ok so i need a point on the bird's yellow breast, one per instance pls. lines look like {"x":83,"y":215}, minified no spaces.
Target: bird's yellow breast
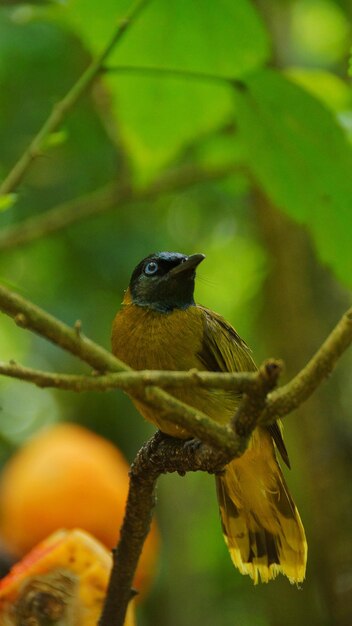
{"x":146,"y":339}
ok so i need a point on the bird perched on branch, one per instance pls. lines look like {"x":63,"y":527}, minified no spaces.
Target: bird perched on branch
{"x":161,"y":327}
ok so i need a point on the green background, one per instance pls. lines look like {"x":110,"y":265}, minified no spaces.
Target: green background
{"x":276,"y":232}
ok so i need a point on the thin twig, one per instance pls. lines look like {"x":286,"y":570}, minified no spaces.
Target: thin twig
{"x":238,"y":382}
{"x":58,"y":218}
{"x":61,"y":108}
{"x":102,"y":200}
{"x":301,"y":387}
{"x":31,"y":317}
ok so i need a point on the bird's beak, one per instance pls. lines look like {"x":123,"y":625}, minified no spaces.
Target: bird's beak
{"x":188,"y":265}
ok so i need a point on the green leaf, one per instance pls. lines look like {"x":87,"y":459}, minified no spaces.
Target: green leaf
{"x":158,"y":117}
{"x":324,"y":85}
{"x":55,"y":139}
{"x":302,"y":159}
{"x":7,"y":201}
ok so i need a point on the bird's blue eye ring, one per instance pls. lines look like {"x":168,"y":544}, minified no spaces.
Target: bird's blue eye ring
{"x":151,"y":268}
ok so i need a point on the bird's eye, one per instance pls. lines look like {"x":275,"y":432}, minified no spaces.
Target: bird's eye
{"x":151,"y":268}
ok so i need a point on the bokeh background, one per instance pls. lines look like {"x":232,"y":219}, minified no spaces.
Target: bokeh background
{"x":258,"y":179}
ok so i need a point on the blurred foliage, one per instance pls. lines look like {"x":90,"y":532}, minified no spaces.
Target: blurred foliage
{"x":284,"y":130}
{"x":287,"y":134}
{"x":226,"y":38}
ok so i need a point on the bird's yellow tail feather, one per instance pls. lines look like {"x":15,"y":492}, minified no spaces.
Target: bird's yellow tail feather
{"x":261,"y":524}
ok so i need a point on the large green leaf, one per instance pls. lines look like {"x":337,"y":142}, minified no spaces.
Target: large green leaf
{"x":159,"y":116}
{"x":302,"y":159}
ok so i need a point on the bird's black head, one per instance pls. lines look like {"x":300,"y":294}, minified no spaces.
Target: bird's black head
{"x":165,"y":281}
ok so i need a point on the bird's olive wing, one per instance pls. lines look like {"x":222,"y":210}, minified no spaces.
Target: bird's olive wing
{"x":223,"y":350}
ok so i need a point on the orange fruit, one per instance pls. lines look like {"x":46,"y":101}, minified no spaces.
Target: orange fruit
{"x":68,"y":477}
{"x":64,"y":578}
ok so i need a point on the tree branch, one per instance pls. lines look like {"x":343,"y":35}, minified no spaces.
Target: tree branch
{"x":138,"y":516}
{"x":102,"y":200}
{"x":259,"y":405}
{"x":238,"y":382}
{"x":161,"y":454}
{"x":31,"y":317}
{"x":301,"y":387}
{"x":141,"y":385}
{"x":164,"y":454}
{"x":61,"y":109}
{"x":255,"y":400}
{"x":281,"y":402}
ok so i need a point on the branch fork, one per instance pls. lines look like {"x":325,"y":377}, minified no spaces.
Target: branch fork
{"x":261,"y":404}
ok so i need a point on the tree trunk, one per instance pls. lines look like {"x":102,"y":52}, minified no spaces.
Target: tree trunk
{"x":302,"y":302}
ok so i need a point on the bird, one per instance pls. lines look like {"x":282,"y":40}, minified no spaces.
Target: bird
{"x":160,"y":327}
